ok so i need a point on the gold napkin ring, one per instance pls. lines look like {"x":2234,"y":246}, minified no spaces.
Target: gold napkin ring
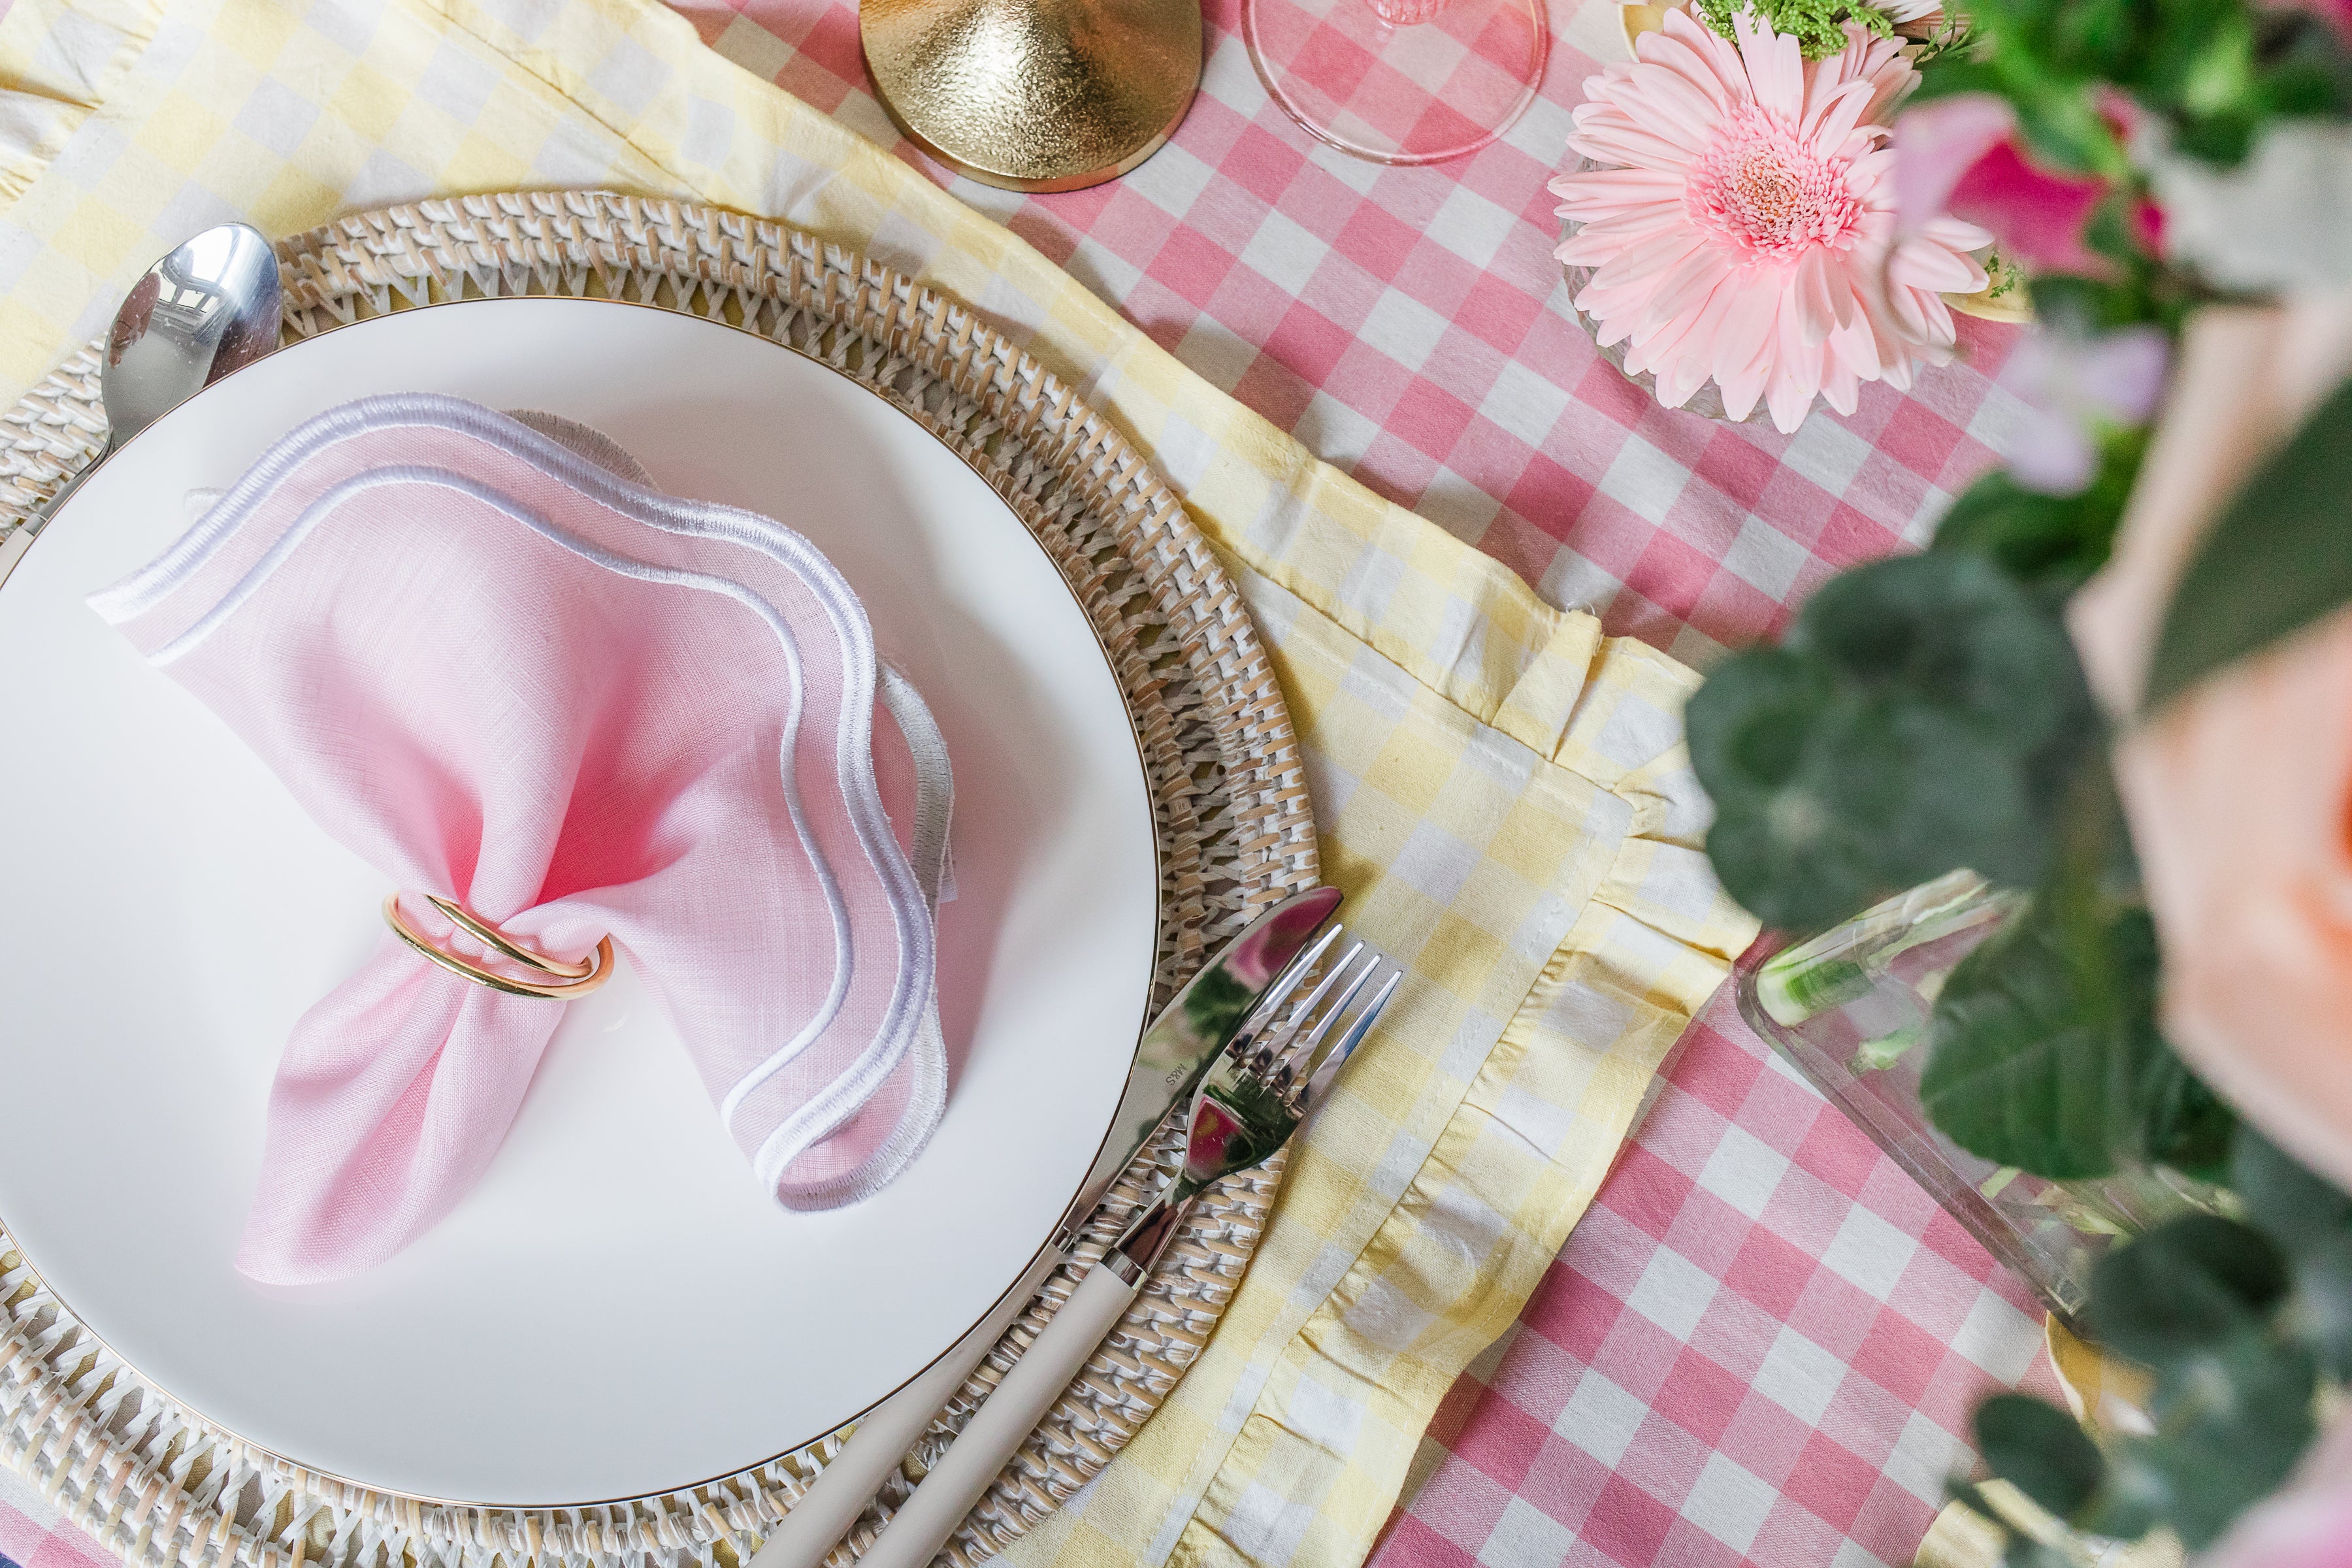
{"x":569,"y":980}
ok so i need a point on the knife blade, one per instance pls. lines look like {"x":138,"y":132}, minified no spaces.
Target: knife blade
{"x":1233,"y":995}
{"x":1238,"y":988}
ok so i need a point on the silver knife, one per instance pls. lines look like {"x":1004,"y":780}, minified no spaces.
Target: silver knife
{"x":1234,"y":996}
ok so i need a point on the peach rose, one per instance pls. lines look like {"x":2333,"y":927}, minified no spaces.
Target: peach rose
{"x":2240,"y":791}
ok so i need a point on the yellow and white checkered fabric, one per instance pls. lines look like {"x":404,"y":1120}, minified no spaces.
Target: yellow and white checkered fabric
{"x":1502,"y":792}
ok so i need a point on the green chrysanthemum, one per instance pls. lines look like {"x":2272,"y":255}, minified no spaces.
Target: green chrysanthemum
{"x":1818,"y":26}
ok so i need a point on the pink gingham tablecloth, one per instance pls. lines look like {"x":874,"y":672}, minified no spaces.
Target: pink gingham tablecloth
{"x":1761,"y":1343}
{"x":31,"y":1535}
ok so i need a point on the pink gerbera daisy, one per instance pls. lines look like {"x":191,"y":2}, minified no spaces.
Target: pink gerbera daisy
{"x":1744,"y":227}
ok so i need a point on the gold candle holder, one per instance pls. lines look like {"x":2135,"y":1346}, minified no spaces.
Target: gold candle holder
{"x":1034,"y":95}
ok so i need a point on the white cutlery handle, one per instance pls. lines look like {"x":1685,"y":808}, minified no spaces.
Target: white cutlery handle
{"x":915,"y":1534}
{"x":823,"y":1514}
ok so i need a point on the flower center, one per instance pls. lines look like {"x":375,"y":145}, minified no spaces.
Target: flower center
{"x":1767,"y":195}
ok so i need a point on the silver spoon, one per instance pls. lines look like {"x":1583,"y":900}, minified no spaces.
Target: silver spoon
{"x":209,"y":307}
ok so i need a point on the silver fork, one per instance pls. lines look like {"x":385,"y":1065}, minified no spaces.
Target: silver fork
{"x":1255,"y":1098}
{"x":1252,"y":1102}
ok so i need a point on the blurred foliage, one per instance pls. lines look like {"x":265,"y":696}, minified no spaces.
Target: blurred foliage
{"x":2080,"y":71}
{"x":2046,"y":1054}
{"x":1922,"y":715}
{"x":2239,"y":1320}
{"x":2050,"y":544}
{"x":1928,"y":713}
{"x":2274,"y":564}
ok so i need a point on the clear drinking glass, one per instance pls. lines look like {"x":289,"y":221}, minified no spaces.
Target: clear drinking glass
{"x":1850,"y":1010}
{"x":1400,"y":81}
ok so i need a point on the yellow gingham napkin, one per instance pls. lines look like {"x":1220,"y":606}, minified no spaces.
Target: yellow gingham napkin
{"x":1502,"y":792}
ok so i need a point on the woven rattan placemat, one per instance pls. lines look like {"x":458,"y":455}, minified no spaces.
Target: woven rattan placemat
{"x":156,"y":1484}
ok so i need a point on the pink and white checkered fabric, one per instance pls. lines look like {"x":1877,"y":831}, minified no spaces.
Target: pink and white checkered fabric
{"x":1761,"y":1343}
{"x":1410,"y":326}
{"x":32,"y":1536}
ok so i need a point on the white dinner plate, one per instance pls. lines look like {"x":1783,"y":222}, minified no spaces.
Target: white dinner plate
{"x":616,"y":1310}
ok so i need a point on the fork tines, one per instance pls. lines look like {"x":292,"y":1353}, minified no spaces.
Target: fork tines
{"x":1300,"y":1056}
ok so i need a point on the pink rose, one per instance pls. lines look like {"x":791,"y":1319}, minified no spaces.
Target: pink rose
{"x":1959,"y":155}
{"x":2240,"y":791}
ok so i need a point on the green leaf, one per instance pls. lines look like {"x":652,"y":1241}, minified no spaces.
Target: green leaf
{"x":2294,"y":1206}
{"x":2062,"y":130}
{"x":1920,"y":719}
{"x":2230,"y":1424}
{"x":2098,"y":304}
{"x":1957,"y":72}
{"x":2184,"y":1124}
{"x":2220,"y":75}
{"x":2039,"y":1449}
{"x":1881,"y":795}
{"x":2051,"y":542}
{"x":2135,"y":1498}
{"x":2280,"y":559}
{"x":1775,"y":841}
{"x":2313,"y":1221}
{"x":2184,"y":1289}
{"x":1215,"y":1005}
{"x":2306,"y":66}
{"x":2046,"y":1050}
{"x":2024,"y":1551}
{"x":2108,"y":232}
{"x":2027,"y":533}
{"x":1954,"y":40}
{"x":2045,"y":1053}
{"x":2318,"y":1314}
{"x":2223,"y":139}
{"x":2095,"y":36}
{"x":1950,"y":631}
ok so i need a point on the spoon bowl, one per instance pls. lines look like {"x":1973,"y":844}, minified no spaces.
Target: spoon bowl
{"x":212,"y":305}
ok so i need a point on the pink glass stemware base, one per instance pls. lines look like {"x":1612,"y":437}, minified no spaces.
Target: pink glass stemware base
{"x":1400,"y":81}
{"x":1407,"y":12}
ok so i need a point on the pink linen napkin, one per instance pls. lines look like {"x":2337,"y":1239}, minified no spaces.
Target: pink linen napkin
{"x":578,"y":707}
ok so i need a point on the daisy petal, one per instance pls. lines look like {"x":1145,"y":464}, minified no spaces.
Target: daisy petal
{"x":1742,"y":226}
